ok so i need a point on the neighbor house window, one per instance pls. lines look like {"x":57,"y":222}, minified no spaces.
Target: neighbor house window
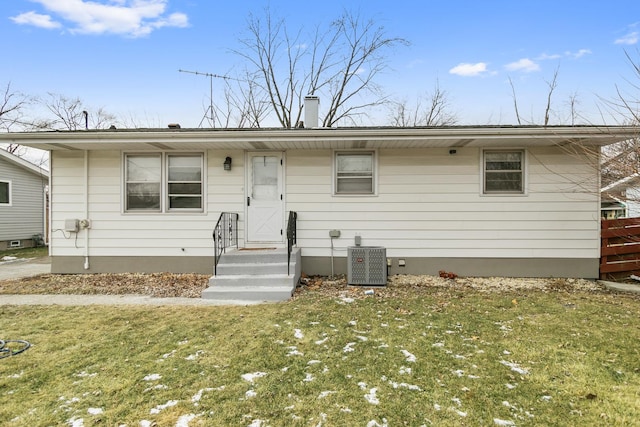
{"x":5,"y":192}
{"x":503,"y":172}
{"x":354,"y":172}
{"x":162,"y":182}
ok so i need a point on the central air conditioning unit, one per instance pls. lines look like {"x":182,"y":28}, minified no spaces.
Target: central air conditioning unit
{"x":367,"y":265}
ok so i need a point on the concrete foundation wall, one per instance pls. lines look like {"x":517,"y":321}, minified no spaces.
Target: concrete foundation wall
{"x":478,"y":267}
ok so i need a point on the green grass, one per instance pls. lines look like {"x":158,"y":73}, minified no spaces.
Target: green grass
{"x":577,"y":355}
{"x":40,"y":252}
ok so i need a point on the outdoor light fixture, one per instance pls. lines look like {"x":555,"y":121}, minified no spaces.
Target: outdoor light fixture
{"x":227,"y":164}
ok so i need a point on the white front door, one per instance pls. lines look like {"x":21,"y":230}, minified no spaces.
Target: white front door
{"x":265,"y":199}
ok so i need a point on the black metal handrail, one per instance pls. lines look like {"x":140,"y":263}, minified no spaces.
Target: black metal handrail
{"x":291,"y":236}
{"x":225,"y":235}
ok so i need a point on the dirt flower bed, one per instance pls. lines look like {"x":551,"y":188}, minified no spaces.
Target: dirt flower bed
{"x":407,"y":285}
{"x":192,"y":285}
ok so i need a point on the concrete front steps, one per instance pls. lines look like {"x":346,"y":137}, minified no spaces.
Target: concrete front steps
{"x":255,"y":275}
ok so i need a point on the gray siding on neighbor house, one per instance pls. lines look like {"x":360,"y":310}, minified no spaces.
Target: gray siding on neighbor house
{"x":24,"y":217}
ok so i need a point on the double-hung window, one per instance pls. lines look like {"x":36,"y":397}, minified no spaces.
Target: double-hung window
{"x":355,"y":172}
{"x":164,"y":182}
{"x":5,"y":192}
{"x":503,"y":172}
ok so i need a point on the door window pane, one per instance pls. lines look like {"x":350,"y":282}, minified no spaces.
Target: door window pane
{"x":265,"y":177}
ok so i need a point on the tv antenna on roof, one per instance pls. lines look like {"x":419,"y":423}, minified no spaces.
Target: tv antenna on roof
{"x":209,"y":114}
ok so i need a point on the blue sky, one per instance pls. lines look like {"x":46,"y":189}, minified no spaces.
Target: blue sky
{"x":124,"y":55}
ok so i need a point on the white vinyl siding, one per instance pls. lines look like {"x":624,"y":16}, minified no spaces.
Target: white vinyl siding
{"x":430,"y":204}
{"x":116,"y":233}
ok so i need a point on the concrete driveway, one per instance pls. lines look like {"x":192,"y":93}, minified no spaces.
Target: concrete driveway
{"x":19,"y":268}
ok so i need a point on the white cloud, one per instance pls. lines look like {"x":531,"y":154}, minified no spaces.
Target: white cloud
{"x":525,"y":64}
{"x":35,"y":19}
{"x":469,"y":70}
{"x":630,"y":38}
{"x":546,"y":57}
{"x":134,"y":18}
{"x":579,"y":54}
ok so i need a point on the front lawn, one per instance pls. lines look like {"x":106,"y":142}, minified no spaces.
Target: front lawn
{"x":445,"y":357}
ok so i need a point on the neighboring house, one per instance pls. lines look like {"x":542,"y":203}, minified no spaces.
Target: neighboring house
{"x":480,"y":201}
{"x":23,"y":188}
{"x":621,"y":199}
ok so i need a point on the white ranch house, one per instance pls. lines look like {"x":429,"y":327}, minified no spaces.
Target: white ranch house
{"x":477,"y":201}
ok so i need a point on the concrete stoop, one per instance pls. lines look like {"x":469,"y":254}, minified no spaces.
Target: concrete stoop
{"x":255,"y":275}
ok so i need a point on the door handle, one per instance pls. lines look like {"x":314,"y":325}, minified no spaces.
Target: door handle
{"x":248,"y":201}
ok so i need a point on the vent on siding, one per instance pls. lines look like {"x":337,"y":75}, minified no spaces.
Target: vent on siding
{"x":367,"y":265}
{"x":15,"y":244}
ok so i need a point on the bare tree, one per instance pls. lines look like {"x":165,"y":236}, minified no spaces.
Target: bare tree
{"x":339,"y":64}
{"x":552,"y":85}
{"x":515,"y":101}
{"x":430,"y":109}
{"x":12,"y":108}
{"x":72,"y":114}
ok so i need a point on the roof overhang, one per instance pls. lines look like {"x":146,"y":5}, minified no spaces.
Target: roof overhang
{"x":34,"y":169}
{"x":323,"y":138}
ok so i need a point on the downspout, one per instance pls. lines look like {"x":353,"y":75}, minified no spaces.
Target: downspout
{"x":86,"y":209}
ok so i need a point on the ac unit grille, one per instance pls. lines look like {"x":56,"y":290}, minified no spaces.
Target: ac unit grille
{"x":367,"y":265}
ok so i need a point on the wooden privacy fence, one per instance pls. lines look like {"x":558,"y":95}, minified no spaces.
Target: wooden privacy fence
{"x":620,"y":248}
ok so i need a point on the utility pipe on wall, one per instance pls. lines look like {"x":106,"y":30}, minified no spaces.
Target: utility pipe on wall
{"x":86,"y":209}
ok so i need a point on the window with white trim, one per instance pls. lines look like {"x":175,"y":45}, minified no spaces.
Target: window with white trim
{"x":355,"y":172}
{"x":164,"y":182}
{"x":503,"y":172}
{"x":5,"y":192}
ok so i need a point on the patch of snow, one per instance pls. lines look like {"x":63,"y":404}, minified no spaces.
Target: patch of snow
{"x":145,"y":423}
{"x":457,"y":401}
{"x":313,"y":362}
{"x":437,"y":344}
{"x":362,"y":338}
{"x":346,"y":300}
{"x":183,"y":420}
{"x":473,"y":377}
{"x":437,"y":407}
{"x":156,"y":387}
{"x":507,"y":352}
{"x":510,"y":386}
{"x":461,"y":413}
{"x":167,"y":355}
{"x":409,"y":357}
{"x":84,"y":374}
{"x":499,"y":422}
{"x":324,"y":394}
{"x":76,"y":422}
{"x":349,"y":347}
{"x":405,"y":385}
{"x":404,"y":370}
{"x":371,"y":396}
{"x":352,"y":323}
{"x":252,"y":376}
{"x":346,"y":410}
{"x":95,"y":411}
{"x":322,"y":341}
{"x":293,"y":351}
{"x":298,"y":334}
{"x":196,"y":397}
{"x":152,"y":377}
{"x":194,"y":356}
{"x":546,"y":398}
{"x":374,"y":423}
{"x":255,"y":423}
{"x":159,"y":408}
{"x":458,"y":372}
{"x":308,"y":378}
{"x":515,"y":367}
{"x":16,"y":375}
{"x":9,"y":258}
{"x":250,"y":393}
{"x":183,"y":342}
{"x":362,"y":385}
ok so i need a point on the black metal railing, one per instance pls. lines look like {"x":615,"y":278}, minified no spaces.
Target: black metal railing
{"x":291,"y":236}
{"x":225,"y":235}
